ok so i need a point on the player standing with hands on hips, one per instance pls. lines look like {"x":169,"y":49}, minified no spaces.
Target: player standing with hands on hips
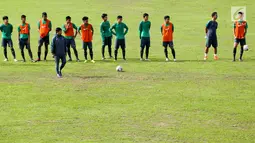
{"x":240,"y":31}
{"x":44,"y":28}
{"x":211,"y":36}
{"x":58,"y":50}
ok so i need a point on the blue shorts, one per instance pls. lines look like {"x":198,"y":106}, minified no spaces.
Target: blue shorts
{"x":211,"y":42}
{"x":145,"y":42}
{"x":241,"y":41}
{"x":70,"y":43}
{"x":23,"y":43}
{"x":120,"y":43}
{"x":6,"y":42}
{"x":168,"y":43}
{"x":107,"y":41}
{"x":86,"y":45}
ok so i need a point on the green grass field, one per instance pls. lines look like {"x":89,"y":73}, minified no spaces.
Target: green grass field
{"x":187,"y":101}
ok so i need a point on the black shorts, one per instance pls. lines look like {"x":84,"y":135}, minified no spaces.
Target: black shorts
{"x":241,"y":41}
{"x":86,"y":45}
{"x":107,"y":41}
{"x":23,"y":43}
{"x":70,"y":43}
{"x":145,"y":42}
{"x":211,"y":42}
{"x":6,"y":42}
{"x":120,"y":43}
{"x":169,"y":43}
{"x":45,"y":40}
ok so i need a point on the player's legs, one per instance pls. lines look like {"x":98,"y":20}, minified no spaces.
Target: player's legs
{"x":123,"y":47}
{"x":117,"y":45}
{"x":57,"y":59}
{"x":90,"y":50}
{"x":110,"y":46}
{"x":63,"y":63}
{"x":207,"y":46}
{"x":68,"y":45}
{"x":142,"y":45}
{"x":85,"y":45}
{"x":242,"y":43}
{"x":29,"y":51}
{"x":4,"y":45}
{"x":22,"y":46}
{"x":236,"y":43}
{"x":165,"y":44}
{"x":215,"y":47}
{"x":46,"y":44}
{"x":147,"y":50}
{"x":40,"y":43}
{"x":12,"y":49}
{"x":171,"y":45}
{"x":73,"y":45}
{"x":103,"y":47}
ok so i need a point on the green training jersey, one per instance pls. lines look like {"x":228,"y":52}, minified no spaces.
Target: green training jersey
{"x":144,"y":29}
{"x":121,"y":30}
{"x":50,"y":25}
{"x":64,"y":30}
{"x":6,"y":31}
{"x":24,"y":36}
{"x":105,"y":29}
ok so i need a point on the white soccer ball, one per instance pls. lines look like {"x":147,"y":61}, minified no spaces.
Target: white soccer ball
{"x":245,"y":48}
{"x":119,"y":69}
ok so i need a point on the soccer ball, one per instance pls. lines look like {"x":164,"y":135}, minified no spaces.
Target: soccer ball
{"x":245,"y":48}
{"x":119,"y":69}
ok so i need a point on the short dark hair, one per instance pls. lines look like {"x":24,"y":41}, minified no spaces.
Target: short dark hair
{"x":5,"y":18}
{"x":145,"y":14}
{"x":23,"y":16}
{"x":166,"y":17}
{"x":58,"y":29}
{"x":68,"y":18}
{"x":44,"y":14}
{"x":214,"y":13}
{"x":240,"y":12}
{"x":85,"y":18}
{"x":119,"y":17}
{"x":104,"y":15}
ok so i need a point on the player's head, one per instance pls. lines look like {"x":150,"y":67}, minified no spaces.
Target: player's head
{"x":23,"y":18}
{"x":85,"y":20}
{"x":44,"y":15}
{"x":145,"y":16}
{"x":58,"y":31}
{"x":214,"y":15}
{"x":104,"y":16}
{"x":240,"y":15}
{"x":68,"y":19}
{"x":5,"y":19}
{"x":167,"y":18}
{"x":119,"y":19}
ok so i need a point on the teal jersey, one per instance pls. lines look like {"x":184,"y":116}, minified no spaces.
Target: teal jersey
{"x":50,"y":25}
{"x":65,"y":30}
{"x":23,"y":36}
{"x":105,"y":29}
{"x":120,"y":30}
{"x":6,"y":31}
{"x":144,"y":29}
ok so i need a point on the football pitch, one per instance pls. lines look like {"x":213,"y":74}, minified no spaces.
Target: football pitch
{"x":185,"y":101}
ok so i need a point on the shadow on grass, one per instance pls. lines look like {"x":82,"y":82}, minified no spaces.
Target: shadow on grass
{"x":90,"y":77}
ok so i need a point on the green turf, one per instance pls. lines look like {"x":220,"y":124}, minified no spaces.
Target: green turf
{"x":187,"y":101}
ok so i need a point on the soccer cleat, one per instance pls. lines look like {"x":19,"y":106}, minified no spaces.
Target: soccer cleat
{"x":240,"y":60}
{"x":167,"y":59}
{"x":60,"y":73}
{"x":174,"y":60}
{"x":147,"y":59}
{"x":38,"y":60}
{"x":5,"y":60}
{"x":110,"y":57}
{"x":92,"y":61}
{"x":23,"y":60}
{"x":77,"y":60}
{"x":205,"y":58}
{"x":15,"y":60}
{"x":103,"y":58}
{"x":216,"y":57}
{"x":141,"y":59}
{"x":85,"y":61}
{"x":124,"y":59}
{"x":69,"y":60}
{"x":233,"y":60}
{"x":115,"y":60}
{"x":59,"y":76}
{"x":32,"y":60}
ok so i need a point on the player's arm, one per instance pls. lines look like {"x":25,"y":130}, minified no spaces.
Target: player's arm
{"x":28,"y":40}
{"x":234,"y":29}
{"x":50,"y":26}
{"x":206,"y":27}
{"x":140,"y":30}
{"x":53,"y":46}
{"x":102,"y":29}
{"x":111,"y":29}
{"x":161,"y":30}
{"x":92,"y":29}
{"x":38,"y":26}
{"x":18,"y":33}
{"x":126,"y":29}
{"x":76,"y":30}
{"x":11,"y":28}
{"x":79,"y":29}
{"x":246,"y":27}
{"x":173,"y":28}
{"x":64,"y":28}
